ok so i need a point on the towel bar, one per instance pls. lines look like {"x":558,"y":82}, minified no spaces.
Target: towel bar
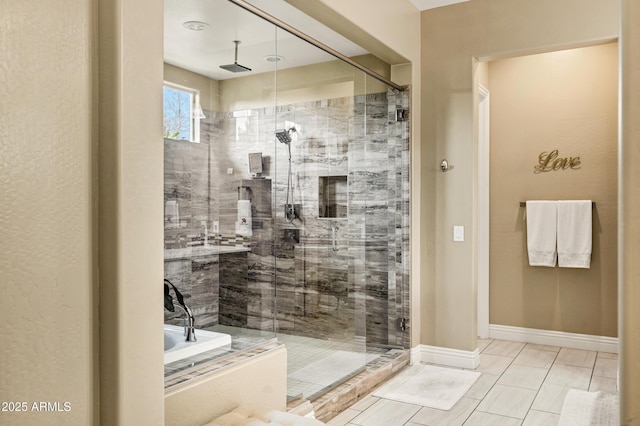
{"x":524,"y":204}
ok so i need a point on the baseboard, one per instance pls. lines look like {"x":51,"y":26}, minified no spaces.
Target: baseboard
{"x":446,"y":356}
{"x":414,"y":355}
{"x":554,"y":338}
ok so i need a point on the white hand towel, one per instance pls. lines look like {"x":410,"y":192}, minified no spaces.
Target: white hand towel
{"x":243,"y":225}
{"x":541,"y":232}
{"x":574,"y":233}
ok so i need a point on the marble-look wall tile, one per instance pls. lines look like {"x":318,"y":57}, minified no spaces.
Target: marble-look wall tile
{"x":234,"y":290}
{"x":360,"y":289}
{"x":205,"y":290}
{"x":197,"y":281}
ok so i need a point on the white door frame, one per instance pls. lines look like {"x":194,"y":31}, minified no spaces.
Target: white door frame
{"x":483,"y":212}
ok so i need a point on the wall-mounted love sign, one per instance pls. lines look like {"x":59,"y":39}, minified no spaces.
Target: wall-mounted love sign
{"x":552,"y":162}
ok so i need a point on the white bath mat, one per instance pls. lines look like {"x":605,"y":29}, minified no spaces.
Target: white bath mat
{"x":428,"y":385}
{"x":589,"y":409}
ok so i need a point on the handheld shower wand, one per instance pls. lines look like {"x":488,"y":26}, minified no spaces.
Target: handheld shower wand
{"x":284,"y":136}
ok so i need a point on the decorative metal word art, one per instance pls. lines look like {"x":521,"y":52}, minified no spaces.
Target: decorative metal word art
{"x":552,"y":162}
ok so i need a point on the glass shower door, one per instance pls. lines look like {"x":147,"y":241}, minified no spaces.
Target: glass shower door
{"x":293,"y":201}
{"x":385,"y":191}
{"x":320,"y":308}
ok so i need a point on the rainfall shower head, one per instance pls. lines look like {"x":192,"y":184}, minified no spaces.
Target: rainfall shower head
{"x":284,"y":136}
{"x":235,"y":66}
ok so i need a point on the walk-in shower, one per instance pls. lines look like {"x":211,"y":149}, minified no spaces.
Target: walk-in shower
{"x":327,"y":275}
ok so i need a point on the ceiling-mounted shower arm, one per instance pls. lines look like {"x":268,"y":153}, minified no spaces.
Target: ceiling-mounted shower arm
{"x":235,"y":67}
{"x":235,"y":57}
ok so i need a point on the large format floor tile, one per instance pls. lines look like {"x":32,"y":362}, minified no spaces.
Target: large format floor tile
{"x":606,"y":367}
{"x":603,"y":384}
{"x":550,"y":398}
{"x":454,"y":417}
{"x":478,"y":418}
{"x":520,"y":385}
{"x":541,"y":418}
{"x":523,"y":376}
{"x":607,"y":355}
{"x":482,"y":386}
{"x":535,"y":358}
{"x":569,"y":375}
{"x":385,"y":413}
{"x":344,"y":418}
{"x":493,"y":364}
{"x":508,"y":401}
{"x":576,"y":357}
{"x":504,"y":348}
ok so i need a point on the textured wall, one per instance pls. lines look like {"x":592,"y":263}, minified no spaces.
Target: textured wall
{"x":324,"y":80}
{"x":48,"y":284}
{"x":452,"y":37}
{"x":630,"y":213}
{"x":567,"y":101}
{"x":130,"y":210}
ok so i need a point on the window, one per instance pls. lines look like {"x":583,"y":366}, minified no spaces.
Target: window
{"x":181,"y":113}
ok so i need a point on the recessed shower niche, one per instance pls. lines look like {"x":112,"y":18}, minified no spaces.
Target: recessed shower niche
{"x":332,"y":196}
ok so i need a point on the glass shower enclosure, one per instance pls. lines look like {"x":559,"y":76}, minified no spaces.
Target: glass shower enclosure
{"x":286,"y":215}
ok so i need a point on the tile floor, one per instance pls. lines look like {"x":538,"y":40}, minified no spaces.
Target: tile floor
{"x":521,"y":384}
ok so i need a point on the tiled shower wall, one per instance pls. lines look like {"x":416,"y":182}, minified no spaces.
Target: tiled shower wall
{"x":351,"y":286}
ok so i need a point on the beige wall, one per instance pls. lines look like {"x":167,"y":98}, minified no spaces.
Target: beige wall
{"x":48,"y":277}
{"x":566,"y":100}
{"x":130,"y":212}
{"x":629,"y":226}
{"x":452,"y":36}
{"x":389,"y":31}
{"x":324,"y":80}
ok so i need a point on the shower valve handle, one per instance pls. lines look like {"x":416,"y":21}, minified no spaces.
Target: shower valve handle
{"x":334,"y":239}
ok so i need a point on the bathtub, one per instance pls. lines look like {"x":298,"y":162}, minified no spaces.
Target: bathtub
{"x":176,"y":348}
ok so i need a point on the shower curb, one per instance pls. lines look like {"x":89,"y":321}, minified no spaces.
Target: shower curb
{"x":377,"y":372}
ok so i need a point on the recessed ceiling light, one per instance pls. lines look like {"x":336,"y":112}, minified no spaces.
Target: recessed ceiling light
{"x":196,"y":25}
{"x":274,"y":58}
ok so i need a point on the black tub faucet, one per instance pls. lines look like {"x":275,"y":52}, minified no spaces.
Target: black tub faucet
{"x":189,"y":324}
